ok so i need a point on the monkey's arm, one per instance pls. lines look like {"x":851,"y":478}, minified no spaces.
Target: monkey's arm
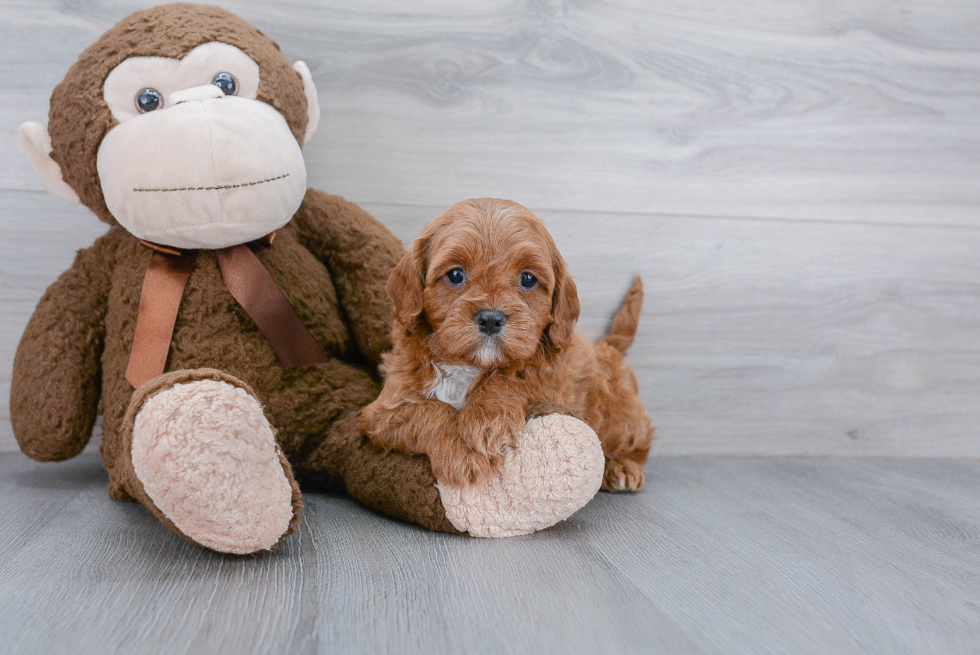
{"x":54,"y":394}
{"x":360,"y":253}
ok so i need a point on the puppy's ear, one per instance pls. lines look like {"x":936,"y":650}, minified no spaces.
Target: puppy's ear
{"x":405,"y":288}
{"x":564,"y":306}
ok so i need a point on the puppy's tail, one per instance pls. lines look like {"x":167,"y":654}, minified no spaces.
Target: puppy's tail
{"x":626,"y":319}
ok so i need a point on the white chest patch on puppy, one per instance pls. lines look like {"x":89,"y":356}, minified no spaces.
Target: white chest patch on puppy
{"x":452,"y":382}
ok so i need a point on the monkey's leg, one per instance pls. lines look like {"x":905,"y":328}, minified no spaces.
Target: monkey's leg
{"x":554,"y":470}
{"x":199,"y":452}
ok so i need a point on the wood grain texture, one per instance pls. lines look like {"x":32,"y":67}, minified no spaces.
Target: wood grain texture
{"x":774,"y":337}
{"x":717,"y":555}
{"x":835,"y":110}
{"x":797,"y":183}
{"x":757,"y":336}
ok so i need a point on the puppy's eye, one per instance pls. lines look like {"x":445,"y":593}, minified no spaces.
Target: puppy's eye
{"x":148,"y":100}
{"x":528,"y":281}
{"x":456,"y":277}
{"x":227,"y":83}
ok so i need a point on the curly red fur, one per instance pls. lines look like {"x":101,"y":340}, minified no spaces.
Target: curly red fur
{"x":537,"y":356}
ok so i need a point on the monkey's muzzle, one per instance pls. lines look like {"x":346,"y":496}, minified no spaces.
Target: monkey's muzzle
{"x":207,"y":173}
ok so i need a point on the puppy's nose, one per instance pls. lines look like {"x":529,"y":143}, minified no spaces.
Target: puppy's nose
{"x":490,"y":321}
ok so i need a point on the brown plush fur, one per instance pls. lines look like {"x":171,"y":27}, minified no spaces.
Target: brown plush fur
{"x":79,"y":118}
{"x":537,"y":357}
{"x":331,"y":261}
{"x":76,"y":348}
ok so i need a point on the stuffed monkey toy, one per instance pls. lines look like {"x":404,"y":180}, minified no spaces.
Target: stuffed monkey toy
{"x":229,"y":323}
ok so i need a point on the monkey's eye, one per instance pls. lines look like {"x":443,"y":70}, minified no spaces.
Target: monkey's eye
{"x":227,"y":83}
{"x":148,"y":100}
{"x":456,"y":277}
{"x":528,"y":281}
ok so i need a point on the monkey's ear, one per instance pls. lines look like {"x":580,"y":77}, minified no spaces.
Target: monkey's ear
{"x":312,"y":101}
{"x":37,"y":143}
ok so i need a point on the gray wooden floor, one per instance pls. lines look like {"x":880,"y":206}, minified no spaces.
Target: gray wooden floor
{"x":798,"y":184}
{"x":716,"y":555}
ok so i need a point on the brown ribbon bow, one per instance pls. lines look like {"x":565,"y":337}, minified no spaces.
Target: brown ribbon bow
{"x":250,"y":284}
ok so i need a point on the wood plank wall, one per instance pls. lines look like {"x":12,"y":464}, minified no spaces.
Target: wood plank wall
{"x":798,"y":183}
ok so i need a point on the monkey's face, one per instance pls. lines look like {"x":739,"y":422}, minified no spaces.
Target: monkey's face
{"x":182,"y":123}
{"x":195,"y":160}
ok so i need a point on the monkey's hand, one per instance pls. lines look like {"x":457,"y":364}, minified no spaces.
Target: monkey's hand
{"x":54,"y":393}
{"x":360,"y":254}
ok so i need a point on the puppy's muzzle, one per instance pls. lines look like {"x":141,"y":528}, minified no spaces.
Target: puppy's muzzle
{"x":490,"y":321}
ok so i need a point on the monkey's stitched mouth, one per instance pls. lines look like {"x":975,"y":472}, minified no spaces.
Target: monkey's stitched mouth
{"x":213,"y":188}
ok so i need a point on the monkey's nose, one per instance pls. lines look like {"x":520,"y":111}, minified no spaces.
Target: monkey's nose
{"x":490,"y":321}
{"x":202,"y":92}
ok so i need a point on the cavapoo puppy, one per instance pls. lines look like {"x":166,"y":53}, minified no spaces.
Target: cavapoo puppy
{"x":484,"y":328}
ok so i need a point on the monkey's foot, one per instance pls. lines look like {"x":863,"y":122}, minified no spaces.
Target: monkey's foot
{"x":208,"y":461}
{"x":553,"y":470}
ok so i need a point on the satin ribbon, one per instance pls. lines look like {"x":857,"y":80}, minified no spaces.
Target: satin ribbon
{"x":249,"y":283}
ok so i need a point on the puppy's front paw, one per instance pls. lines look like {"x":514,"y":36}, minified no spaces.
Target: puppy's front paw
{"x":490,"y":435}
{"x":622,"y":475}
{"x":459,"y":466}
